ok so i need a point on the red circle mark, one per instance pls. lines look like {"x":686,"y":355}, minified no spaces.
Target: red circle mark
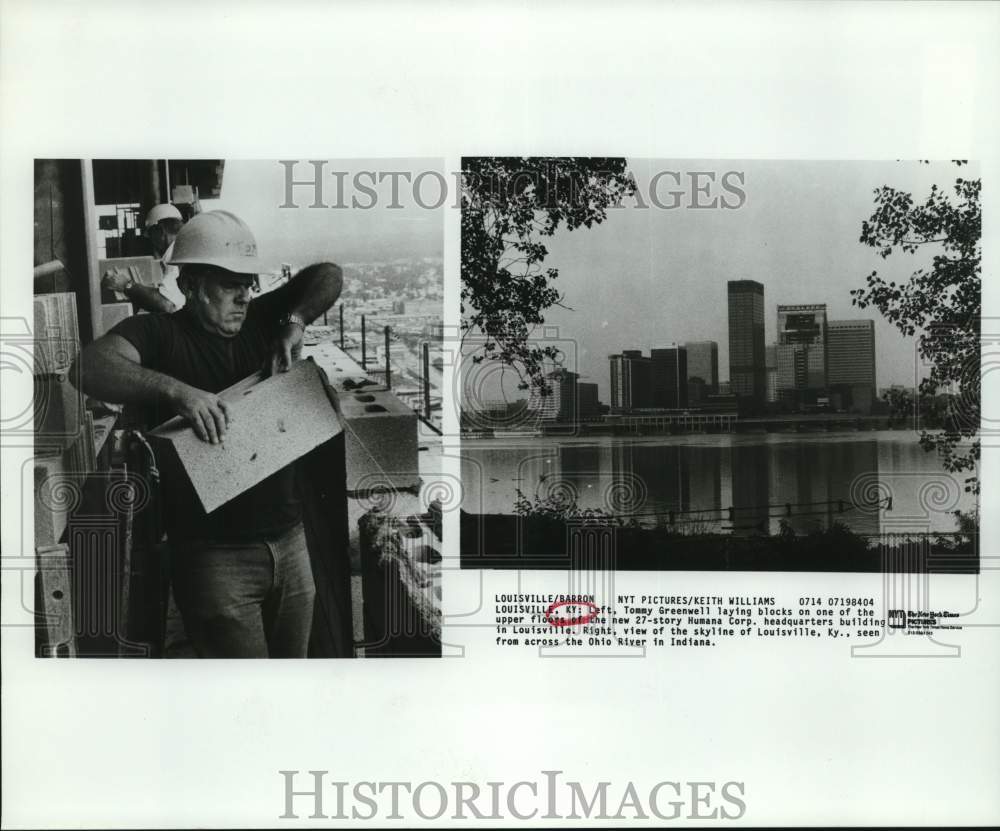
{"x":572,"y":621}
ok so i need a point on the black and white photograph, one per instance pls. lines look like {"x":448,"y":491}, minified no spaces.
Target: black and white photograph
{"x":704,"y":364}
{"x":237,"y":421}
{"x":623,"y":372}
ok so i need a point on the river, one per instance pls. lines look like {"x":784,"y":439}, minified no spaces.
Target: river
{"x":872,"y":482}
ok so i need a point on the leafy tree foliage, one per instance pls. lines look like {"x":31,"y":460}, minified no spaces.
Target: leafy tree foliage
{"x":939,"y":305}
{"x":509,"y":204}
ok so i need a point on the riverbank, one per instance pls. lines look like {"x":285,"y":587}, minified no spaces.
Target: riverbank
{"x":512,"y":440}
{"x":508,"y":541}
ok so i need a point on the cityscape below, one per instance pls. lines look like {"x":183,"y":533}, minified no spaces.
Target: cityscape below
{"x":817,"y":367}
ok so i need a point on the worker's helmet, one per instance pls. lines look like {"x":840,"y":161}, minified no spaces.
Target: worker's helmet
{"x":162,"y":211}
{"x":217,"y":238}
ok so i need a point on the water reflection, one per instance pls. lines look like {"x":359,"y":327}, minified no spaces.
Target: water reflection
{"x":729,"y":483}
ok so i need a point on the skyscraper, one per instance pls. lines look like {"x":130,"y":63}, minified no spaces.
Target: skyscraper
{"x":801,"y":350}
{"x":561,"y":403}
{"x":851,"y":361}
{"x":655,"y":382}
{"x":703,"y":362}
{"x":669,"y":377}
{"x":588,"y":405}
{"x":631,"y":380}
{"x":746,"y":339}
{"x":771,"y":365}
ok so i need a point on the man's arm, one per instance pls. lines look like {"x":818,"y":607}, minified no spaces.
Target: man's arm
{"x":145,"y":297}
{"x":148,"y":298}
{"x":307,"y":295}
{"x":310,"y":292}
{"x":111,"y":369}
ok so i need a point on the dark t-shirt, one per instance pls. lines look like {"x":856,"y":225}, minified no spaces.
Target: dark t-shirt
{"x":176,"y":345}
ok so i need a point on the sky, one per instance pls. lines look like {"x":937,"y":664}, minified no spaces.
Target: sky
{"x":646,"y":278}
{"x":255,"y":191}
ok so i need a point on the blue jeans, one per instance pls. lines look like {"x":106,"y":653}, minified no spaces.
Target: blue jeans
{"x":245,"y":600}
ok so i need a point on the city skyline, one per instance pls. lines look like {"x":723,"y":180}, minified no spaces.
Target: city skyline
{"x":810,"y":352}
{"x":814,"y":361}
{"x":654,"y":277}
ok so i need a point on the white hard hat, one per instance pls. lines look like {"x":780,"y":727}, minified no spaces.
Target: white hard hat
{"x":217,"y":238}
{"x":162,"y":211}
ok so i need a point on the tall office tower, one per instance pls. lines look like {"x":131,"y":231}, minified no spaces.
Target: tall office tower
{"x":703,"y":362}
{"x":588,"y":404}
{"x":771,"y":368}
{"x":789,"y":371}
{"x":631,"y":380}
{"x":850,"y":361}
{"x":561,"y":404}
{"x":621,"y":382}
{"x":801,"y":352}
{"x":669,"y":377}
{"x":746,"y":339}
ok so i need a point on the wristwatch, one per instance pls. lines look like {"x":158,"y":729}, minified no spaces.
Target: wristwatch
{"x":286,"y":320}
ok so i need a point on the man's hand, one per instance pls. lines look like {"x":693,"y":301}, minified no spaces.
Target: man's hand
{"x":207,"y":414}
{"x":284,"y":349}
{"x":116,"y":279}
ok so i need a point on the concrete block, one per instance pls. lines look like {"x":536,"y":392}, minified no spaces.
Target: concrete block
{"x":401,"y":586}
{"x":182,"y":195}
{"x":59,"y":411}
{"x":381,"y":429}
{"x":274,"y":422}
{"x":81,"y":456}
{"x":342,"y":370}
{"x":57,"y":332}
{"x":55,"y":497}
{"x":104,"y":426}
{"x":114,"y":313}
{"x":381,"y":440}
{"x":144,"y":270}
{"x":55,"y":635}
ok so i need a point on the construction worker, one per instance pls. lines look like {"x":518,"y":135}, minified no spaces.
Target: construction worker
{"x":163,"y":222}
{"x":241,"y":574}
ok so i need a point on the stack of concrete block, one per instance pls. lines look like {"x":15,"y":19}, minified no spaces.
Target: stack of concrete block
{"x":59,"y":412}
{"x":381,"y":441}
{"x":57,"y":332}
{"x":59,"y":415}
{"x":144,"y":270}
{"x":274,"y":422}
{"x":104,"y":428}
{"x":343,"y":371}
{"x":58,"y":404}
{"x":401,"y":585}
{"x":55,"y":634}
{"x":114,"y":313}
{"x":55,"y":497}
{"x":58,"y":483}
{"x":381,"y":430}
{"x":81,"y":456}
